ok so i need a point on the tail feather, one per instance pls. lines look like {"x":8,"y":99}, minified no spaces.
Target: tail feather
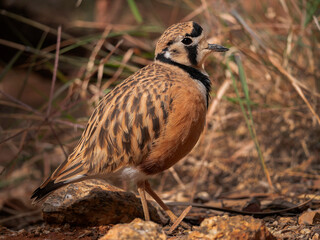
{"x":43,"y":191}
{"x":66,"y":173}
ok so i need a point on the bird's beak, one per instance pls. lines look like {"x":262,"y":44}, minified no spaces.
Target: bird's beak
{"x":217,"y":48}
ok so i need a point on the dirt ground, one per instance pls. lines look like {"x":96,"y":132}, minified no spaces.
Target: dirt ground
{"x":291,"y":220}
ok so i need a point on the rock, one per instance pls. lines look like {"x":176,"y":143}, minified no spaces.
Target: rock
{"x":226,"y":227}
{"x":285,"y":221}
{"x":254,"y":205}
{"x":202,"y":197}
{"x":315,"y":236}
{"x":137,"y":229}
{"x":94,"y":202}
{"x":310,"y":218}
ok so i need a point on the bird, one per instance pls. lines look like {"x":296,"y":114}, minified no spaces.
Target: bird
{"x":148,"y":122}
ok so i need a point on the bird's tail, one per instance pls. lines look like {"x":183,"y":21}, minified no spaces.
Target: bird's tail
{"x":66,"y":173}
{"x":45,"y":189}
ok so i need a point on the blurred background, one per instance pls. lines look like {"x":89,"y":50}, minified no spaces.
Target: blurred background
{"x":263,"y":127}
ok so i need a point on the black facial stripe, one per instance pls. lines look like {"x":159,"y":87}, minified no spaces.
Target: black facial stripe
{"x":194,"y":73}
{"x":169,"y":43}
{"x":192,"y":54}
{"x":196,"y":31}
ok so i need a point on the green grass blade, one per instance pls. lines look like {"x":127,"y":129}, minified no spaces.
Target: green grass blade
{"x":312,"y":7}
{"x":10,"y":64}
{"x":248,"y":113}
{"x":33,"y":61}
{"x":135,"y":11}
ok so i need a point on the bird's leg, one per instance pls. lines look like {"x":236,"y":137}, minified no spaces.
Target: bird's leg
{"x":173,"y":217}
{"x":141,"y":190}
{"x":159,"y":201}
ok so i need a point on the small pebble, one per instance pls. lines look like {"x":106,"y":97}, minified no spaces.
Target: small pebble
{"x":22,"y":231}
{"x":66,"y":226}
{"x":305,"y":231}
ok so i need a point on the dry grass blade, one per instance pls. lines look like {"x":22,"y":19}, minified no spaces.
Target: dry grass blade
{"x":13,"y":136}
{"x":25,"y":106}
{"x":261,"y":43}
{"x":54,"y":75}
{"x":92,"y":58}
{"x":222,"y":90}
{"x":34,"y":24}
{"x":193,"y":14}
{"x":18,"y":151}
{"x":27,"y":21}
{"x":106,"y":59}
{"x":99,"y":25}
{"x":10,"y":64}
{"x":206,"y":12}
{"x":12,"y":104}
{"x":15,"y":150}
{"x":179,"y":219}
{"x":248,"y":28}
{"x":293,"y":81}
{"x":58,"y":140}
{"x":138,"y":43}
{"x":21,"y":215}
{"x":21,"y":116}
{"x":316,"y":22}
{"x":196,"y":177}
{"x":116,"y":75}
{"x":74,"y":125}
{"x":177,"y":178}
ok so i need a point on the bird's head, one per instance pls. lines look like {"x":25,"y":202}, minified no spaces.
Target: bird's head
{"x":185,"y":43}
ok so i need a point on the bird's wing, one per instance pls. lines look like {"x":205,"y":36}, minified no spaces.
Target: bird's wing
{"x":121,"y":130}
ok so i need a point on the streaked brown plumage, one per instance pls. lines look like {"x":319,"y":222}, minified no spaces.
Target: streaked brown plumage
{"x":148,"y":122}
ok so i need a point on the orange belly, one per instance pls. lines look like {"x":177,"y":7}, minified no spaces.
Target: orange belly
{"x":185,"y":124}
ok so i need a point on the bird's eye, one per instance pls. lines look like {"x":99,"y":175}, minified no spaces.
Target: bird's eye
{"x":186,"y":41}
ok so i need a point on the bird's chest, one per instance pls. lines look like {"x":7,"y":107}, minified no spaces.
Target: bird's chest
{"x":185,"y":123}
{"x":203,"y":91}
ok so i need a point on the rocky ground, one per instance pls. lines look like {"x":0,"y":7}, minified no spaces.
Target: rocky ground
{"x":96,"y":210}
